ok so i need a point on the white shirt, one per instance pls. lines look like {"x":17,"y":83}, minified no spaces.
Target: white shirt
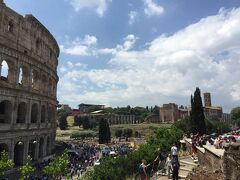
{"x":174,"y":150}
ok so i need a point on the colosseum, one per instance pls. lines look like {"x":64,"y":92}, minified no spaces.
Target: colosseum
{"x":28,"y":81}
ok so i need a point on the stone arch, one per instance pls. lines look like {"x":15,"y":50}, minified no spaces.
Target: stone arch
{"x":34,"y":113}
{"x":35,"y":79}
{"x":4,"y":147}
{"x":43,"y":114}
{"x":19,"y":153}
{"x":48,"y":147}
{"x":5,"y":111}
{"x":10,"y":26}
{"x":4,"y":70}
{"x":23,"y":75}
{"x":41,"y":147}
{"x":32,"y":148}
{"x":22,"y":112}
{"x":7,"y":70}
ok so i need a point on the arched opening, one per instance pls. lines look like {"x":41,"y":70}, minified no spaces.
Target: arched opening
{"x":4,"y":70}
{"x":25,"y":75}
{"x":20,"y":76}
{"x":18,"y":153}
{"x":3,"y":147}
{"x":22,"y":112}
{"x":35,"y":79}
{"x":48,"y":147}
{"x":10,"y":26}
{"x":5,"y":111}
{"x":32,"y":149}
{"x":34,"y":113}
{"x":43,"y":114}
{"x":41,"y":144}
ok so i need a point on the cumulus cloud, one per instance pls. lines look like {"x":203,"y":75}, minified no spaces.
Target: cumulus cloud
{"x":100,"y":6}
{"x":204,"y":54}
{"x":80,"y":47}
{"x":132,"y":17}
{"x":151,"y":8}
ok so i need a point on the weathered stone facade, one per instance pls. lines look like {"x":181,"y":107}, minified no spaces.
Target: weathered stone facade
{"x":29,"y":58}
{"x":231,"y":165}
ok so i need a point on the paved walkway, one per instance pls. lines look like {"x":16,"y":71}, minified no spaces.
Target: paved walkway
{"x":186,"y":166}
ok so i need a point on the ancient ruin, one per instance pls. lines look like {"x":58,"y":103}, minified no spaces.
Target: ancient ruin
{"x":28,"y":80}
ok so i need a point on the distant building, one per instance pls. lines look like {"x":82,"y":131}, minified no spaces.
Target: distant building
{"x":75,"y":112}
{"x":169,"y":113}
{"x":207,"y":99}
{"x":65,"y":107}
{"x":226,"y":117}
{"x":122,"y":119}
{"x":88,"y":108}
{"x":212,"y":112}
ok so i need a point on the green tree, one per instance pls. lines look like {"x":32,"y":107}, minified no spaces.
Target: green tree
{"x":62,"y":119}
{"x":235,"y":115}
{"x":27,"y":170}
{"x":77,"y":121}
{"x":156,"y":110}
{"x":58,"y":167}
{"x":86,"y":123}
{"x":108,"y":133}
{"x":102,"y":131}
{"x":197,"y":123}
{"x":127,"y":133}
{"x":5,"y":163}
{"x":118,"y":133}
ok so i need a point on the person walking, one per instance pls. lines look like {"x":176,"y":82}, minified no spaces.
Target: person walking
{"x":175,"y":167}
{"x":143,"y":170}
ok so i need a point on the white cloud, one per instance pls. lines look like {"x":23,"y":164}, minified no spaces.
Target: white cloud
{"x":100,"y":6}
{"x":204,"y":54}
{"x":151,"y":8}
{"x":132,"y":17}
{"x":80,"y":47}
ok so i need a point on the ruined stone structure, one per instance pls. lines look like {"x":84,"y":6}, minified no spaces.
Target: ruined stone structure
{"x":28,"y":81}
{"x":231,"y":165}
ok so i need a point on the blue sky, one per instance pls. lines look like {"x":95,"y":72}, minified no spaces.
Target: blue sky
{"x":143,"y":52}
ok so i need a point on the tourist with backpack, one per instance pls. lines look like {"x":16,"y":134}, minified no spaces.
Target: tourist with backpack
{"x":143,"y":170}
{"x":175,"y":167}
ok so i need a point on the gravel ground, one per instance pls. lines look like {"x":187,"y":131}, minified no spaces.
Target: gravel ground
{"x":202,"y":173}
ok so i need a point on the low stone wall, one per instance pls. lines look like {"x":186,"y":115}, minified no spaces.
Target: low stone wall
{"x":207,"y":157}
{"x":231,"y":165}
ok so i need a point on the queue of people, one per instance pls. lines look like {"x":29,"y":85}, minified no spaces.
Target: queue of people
{"x":170,"y":164}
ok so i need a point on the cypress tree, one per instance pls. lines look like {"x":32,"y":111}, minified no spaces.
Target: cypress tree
{"x":102,"y":131}
{"x":197,"y":119}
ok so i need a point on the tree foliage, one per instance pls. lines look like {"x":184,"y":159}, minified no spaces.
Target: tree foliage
{"x":5,"y":163}
{"x":127,"y":133}
{"x":118,"y":133}
{"x":127,"y":165}
{"x":235,"y":115}
{"x":104,"y":131}
{"x":197,"y":123}
{"x":27,"y":170}
{"x":62,"y":119}
{"x":58,"y":167}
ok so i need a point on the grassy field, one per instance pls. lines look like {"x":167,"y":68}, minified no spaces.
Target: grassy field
{"x":144,"y":129}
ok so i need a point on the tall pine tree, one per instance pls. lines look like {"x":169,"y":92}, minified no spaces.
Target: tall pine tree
{"x":197,"y":119}
{"x":102,"y":131}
